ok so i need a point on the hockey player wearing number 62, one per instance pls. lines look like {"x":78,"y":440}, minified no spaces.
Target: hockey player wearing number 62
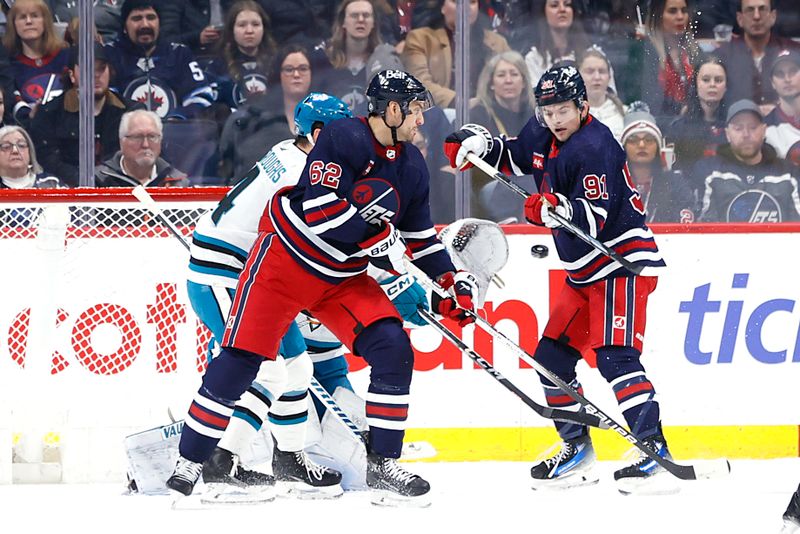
{"x":581,"y":174}
{"x":363,"y":191}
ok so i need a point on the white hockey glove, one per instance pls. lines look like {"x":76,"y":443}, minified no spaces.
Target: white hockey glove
{"x":538,"y":206}
{"x":386,"y":250}
{"x":470,"y":138}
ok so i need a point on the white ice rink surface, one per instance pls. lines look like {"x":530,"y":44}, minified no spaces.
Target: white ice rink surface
{"x":483,"y":497}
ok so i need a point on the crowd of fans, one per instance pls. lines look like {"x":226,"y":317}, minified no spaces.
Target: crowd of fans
{"x":703,"y":95}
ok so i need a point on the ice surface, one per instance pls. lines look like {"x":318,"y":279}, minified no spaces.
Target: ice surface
{"x":481,"y":497}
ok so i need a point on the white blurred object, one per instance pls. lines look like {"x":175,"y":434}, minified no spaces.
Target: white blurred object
{"x":477,"y":246}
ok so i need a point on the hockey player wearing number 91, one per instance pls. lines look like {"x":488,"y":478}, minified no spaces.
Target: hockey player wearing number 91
{"x":581,"y":174}
{"x":361,"y":199}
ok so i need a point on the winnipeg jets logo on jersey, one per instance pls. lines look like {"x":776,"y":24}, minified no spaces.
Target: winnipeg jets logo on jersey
{"x":42,"y":87}
{"x":155,"y":95}
{"x":251,"y":84}
{"x":376,"y":200}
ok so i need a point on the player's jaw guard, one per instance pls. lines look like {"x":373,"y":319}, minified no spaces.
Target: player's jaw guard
{"x":395,"y":86}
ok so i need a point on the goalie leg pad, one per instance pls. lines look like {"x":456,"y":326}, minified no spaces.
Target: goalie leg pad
{"x":152,"y":455}
{"x":289,"y":413}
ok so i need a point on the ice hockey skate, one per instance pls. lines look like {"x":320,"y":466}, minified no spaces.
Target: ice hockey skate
{"x":299,"y":476}
{"x":791,"y":517}
{"x":645,"y":476}
{"x":391,"y":485}
{"x":572,"y":466}
{"x":227,"y":482}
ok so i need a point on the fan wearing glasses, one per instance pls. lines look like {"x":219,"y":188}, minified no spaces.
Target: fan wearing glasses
{"x":18,"y":166}
{"x":139,"y":160}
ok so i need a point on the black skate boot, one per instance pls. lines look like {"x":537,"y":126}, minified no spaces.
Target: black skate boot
{"x":229,"y":482}
{"x":570,"y":467}
{"x":392,"y":485}
{"x":299,"y":476}
{"x":185,"y":476}
{"x":645,"y":476}
{"x":791,"y":517}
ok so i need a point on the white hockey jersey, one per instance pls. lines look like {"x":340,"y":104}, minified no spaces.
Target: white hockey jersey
{"x":224,"y":236}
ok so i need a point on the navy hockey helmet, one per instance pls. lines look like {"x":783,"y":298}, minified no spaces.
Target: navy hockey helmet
{"x":560,"y":83}
{"x":395,"y":86}
{"x":318,"y":108}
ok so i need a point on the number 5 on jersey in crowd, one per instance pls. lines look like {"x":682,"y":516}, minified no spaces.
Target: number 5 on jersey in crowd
{"x":325,"y":173}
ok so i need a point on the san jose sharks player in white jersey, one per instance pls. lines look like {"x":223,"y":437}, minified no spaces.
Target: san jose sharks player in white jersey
{"x":220,"y":244}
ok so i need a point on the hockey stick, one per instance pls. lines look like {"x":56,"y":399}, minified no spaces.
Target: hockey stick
{"x":423,"y":449}
{"x":556,"y":414}
{"x":709,"y":469}
{"x":574,"y":230}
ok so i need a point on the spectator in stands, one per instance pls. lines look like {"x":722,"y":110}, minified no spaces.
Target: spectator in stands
{"x":163,"y":76}
{"x":783,"y":122}
{"x":505,"y":95}
{"x":18,"y":166}
{"x":266,"y":119}
{"x":604,"y":104}
{"x":245,"y":54}
{"x":138,"y":161}
{"x":56,"y":130}
{"x":666,"y":194}
{"x":354,"y":41}
{"x":304,"y":22}
{"x":559,"y":36}
{"x":106,"y":16}
{"x":661,"y":63}
{"x":746,"y":181}
{"x":751,"y":54}
{"x":38,"y":56}
{"x":429,"y":52}
{"x":700,"y":129}
{"x":190,"y":22}
{"x":6,"y":87}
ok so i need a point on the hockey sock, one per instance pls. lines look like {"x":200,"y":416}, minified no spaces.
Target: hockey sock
{"x":331,"y":374}
{"x":289,"y":413}
{"x":226,"y":378}
{"x":561,"y":360}
{"x":387,"y":349}
{"x":621,"y":367}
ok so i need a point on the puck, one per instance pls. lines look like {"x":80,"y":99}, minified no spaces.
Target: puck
{"x":539,"y":251}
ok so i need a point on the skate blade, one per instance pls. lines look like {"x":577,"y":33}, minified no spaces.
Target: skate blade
{"x":301,"y":490}
{"x":181,"y":502}
{"x":576,"y":480}
{"x":393,"y":500}
{"x":225,"y":494}
{"x":662,"y":483}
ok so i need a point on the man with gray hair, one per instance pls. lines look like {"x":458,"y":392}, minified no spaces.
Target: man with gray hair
{"x":138,"y":161}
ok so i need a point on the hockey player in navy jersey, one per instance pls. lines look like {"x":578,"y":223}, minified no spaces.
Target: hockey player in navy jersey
{"x":581,"y":174}
{"x":220,"y":243}
{"x":163,"y":76}
{"x":362,"y":199}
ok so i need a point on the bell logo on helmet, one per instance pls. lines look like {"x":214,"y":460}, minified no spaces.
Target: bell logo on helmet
{"x":396,"y":74}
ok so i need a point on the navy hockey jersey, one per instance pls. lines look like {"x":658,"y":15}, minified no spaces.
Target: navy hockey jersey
{"x":350,"y":187}
{"x":169,"y":81}
{"x":590,"y":170}
{"x":37,"y":80}
{"x":234,"y":91}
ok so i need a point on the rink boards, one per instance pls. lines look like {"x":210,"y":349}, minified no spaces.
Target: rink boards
{"x":98,"y":340}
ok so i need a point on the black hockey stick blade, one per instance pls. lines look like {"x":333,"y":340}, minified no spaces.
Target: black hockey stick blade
{"x":556,"y":414}
{"x":567,"y":225}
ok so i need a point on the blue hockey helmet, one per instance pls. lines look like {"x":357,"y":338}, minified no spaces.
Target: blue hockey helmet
{"x":318,"y":108}
{"x":561,"y":83}
{"x":395,"y":86}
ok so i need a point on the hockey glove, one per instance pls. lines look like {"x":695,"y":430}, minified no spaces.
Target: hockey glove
{"x":470,"y":138}
{"x":407,"y":296}
{"x":538,"y":206}
{"x":463,"y":286}
{"x":386,"y":250}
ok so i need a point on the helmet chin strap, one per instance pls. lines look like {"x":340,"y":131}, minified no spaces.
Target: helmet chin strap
{"x":393,"y":129}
